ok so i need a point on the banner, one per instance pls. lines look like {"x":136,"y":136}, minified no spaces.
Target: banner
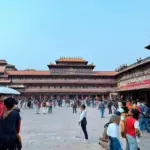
{"x":136,"y":84}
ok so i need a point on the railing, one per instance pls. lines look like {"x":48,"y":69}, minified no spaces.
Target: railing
{"x":64,"y":81}
{"x":67,"y":90}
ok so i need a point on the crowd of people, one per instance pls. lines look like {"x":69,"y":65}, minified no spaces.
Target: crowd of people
{"x":129,"y":119}
{"x":46,"y":105}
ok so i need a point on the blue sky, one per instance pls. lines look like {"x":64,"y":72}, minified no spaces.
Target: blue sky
{"x":105,"y":32}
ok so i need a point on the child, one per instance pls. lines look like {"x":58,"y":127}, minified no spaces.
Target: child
{"x":103,"y":141}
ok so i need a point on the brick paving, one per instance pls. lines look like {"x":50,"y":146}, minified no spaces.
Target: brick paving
{"x":60,"y":130}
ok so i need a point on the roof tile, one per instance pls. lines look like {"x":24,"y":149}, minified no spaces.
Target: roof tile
{"x":71,"y":59}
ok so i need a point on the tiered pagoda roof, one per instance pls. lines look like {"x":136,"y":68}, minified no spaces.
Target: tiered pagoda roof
{"x":71,"y":59}
{"x":9,"y":66}
{"x":75,"y":62}
{"x":3,"y":62}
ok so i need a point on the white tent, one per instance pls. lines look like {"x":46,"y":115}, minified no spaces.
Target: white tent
{"x":7,"y":90}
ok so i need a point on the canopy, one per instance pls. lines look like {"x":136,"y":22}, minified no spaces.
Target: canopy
{"x":6,"y":90}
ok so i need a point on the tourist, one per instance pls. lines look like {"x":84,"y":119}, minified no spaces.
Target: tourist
{"x":92,"y":102}
{"x":101,"y":107}
{"x":113,"y":134}
{"x":24,"y":104}
{"x":132,"y":129}
{"x":134,"y":105}
{"x":110,"y":107}
{"x":83,"y":121}
{"x":11,"y":125}
{"x":115,"y":106}
{"x":69,"y":101}
{"x":124,"y":113}
{"x":103,"y":141}
{"x":19,"y":104}
{"x":49,"y":105}
{"x":74,"y":106}
{"x":144,"y":117}
{"x":29,"y":103}
{"x":54,"y":102}
{"x":32,"y":104}
{"x":44,"y":106}
{"x":124,"y":107}
{"x":37,"y":106}
{"x":119,"y":104}
{"x":129,"y":104}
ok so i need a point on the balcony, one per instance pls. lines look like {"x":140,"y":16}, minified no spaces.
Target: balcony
{"x":67,"y":81}
{"x":67,"y":90}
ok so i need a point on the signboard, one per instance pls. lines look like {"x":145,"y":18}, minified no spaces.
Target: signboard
{"x":136,"y":84}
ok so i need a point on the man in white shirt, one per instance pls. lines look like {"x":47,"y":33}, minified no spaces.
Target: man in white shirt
{"x":83,"y":121}
{"x":113,"y":133}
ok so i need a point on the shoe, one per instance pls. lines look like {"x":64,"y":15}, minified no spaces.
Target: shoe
{"x":85,"y":141}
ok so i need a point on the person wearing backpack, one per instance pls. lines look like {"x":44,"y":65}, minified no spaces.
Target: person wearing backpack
{"x":144,"y":117}
{"x":10,"y":121}
{"x":101,"y":107}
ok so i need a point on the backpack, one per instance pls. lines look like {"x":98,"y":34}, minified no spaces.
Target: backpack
{"x":144,"y":111}
{"x":101,"y":105}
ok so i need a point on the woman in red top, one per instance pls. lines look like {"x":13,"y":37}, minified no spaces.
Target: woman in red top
{"x":2,"y":106}
{"x":132,"y":129}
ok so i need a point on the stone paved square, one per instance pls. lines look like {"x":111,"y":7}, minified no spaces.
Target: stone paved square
{"x":60,"y":130}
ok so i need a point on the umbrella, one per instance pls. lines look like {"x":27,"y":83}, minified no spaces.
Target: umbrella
{"x":7,"y":90}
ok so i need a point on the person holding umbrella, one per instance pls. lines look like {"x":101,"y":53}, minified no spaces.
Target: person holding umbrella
{"x":5,"y":91}
{"x":5,"y":108}
{"x":11,"y":122}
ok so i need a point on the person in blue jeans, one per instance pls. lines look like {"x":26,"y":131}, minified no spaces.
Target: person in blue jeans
{"x":144,"y":117}
{"x":101,"y":107}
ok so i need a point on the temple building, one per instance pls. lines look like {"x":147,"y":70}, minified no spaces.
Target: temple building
{"x":68,"y":78}
{"x":134,"y":80}
{"x":75,"y":78}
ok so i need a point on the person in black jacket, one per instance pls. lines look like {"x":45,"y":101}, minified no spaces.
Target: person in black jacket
{"x":11,"y":122}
